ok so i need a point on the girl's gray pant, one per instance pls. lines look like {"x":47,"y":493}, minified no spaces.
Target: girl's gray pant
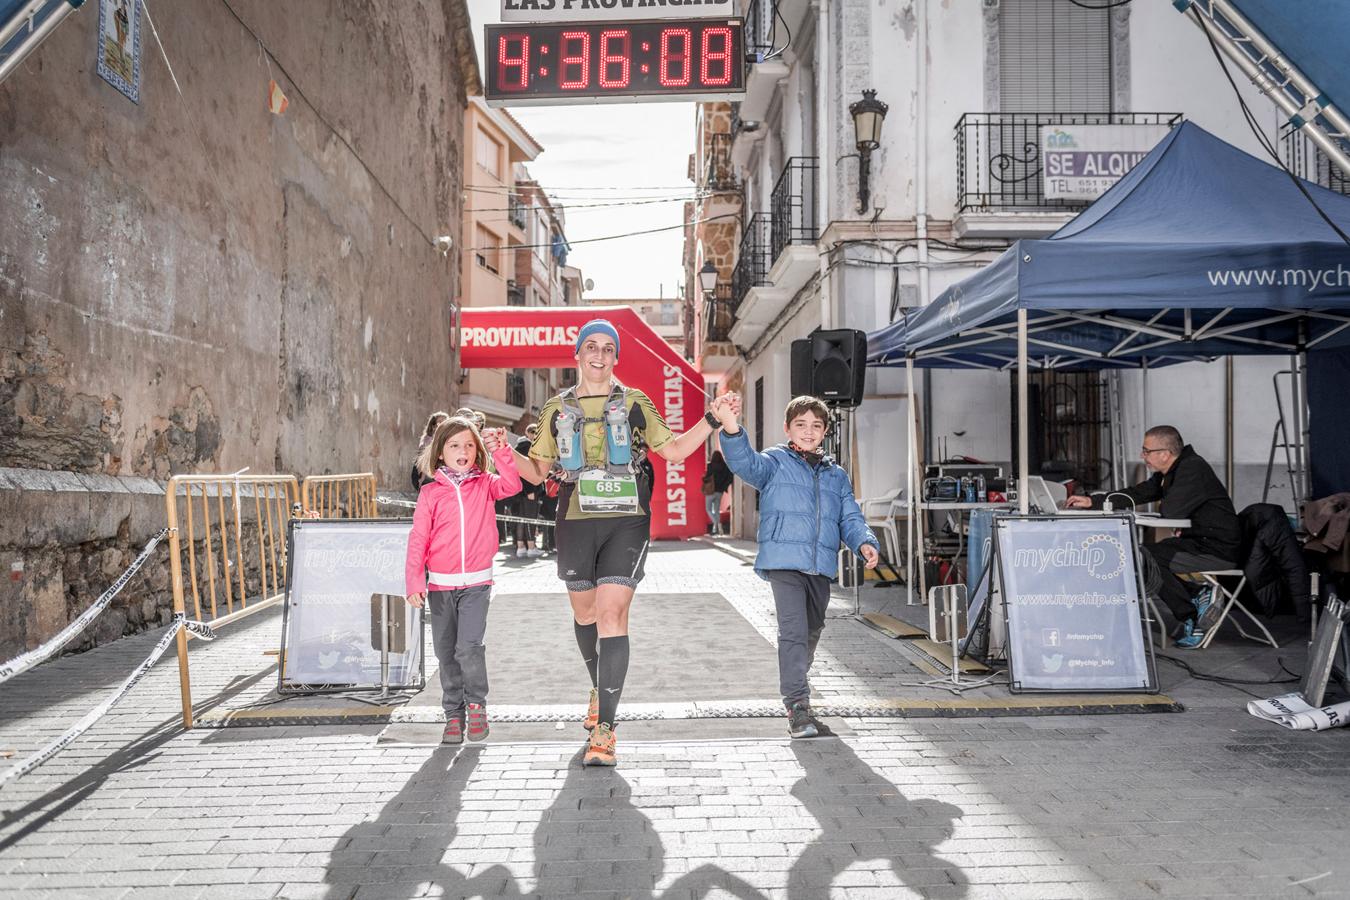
{"x":458,"y":624}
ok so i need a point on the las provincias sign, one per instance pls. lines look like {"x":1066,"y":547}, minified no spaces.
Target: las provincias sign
{"x":612,"y":10}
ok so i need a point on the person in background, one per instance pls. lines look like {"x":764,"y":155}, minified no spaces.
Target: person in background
{"x":526,"y":502}
{"x":1188,"y":489}
{"x":716,"y":480}
{"x":449,"y":562}
{"x":433,"y":420}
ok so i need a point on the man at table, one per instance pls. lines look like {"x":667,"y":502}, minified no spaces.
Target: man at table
{"x":1188,"y":489}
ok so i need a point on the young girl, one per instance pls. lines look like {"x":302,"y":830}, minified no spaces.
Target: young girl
{"x":450,"y":550}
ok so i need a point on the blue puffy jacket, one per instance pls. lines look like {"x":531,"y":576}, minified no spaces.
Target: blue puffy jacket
{"x":804,"y":510}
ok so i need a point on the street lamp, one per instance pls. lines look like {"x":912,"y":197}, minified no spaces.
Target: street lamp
{"x":868,"y":114}
{"x":707,"y":277}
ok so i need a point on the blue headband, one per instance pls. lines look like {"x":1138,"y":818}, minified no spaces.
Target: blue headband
{"x":598,"y":326}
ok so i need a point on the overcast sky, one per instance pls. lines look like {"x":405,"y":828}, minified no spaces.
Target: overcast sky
{"x":589,"y":149}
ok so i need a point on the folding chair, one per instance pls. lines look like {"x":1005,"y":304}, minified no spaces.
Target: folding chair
{"x":1228,"y":600}
{"x":880,"y":513}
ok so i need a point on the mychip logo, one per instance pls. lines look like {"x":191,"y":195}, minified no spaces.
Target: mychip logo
{"x":1101,"y":554}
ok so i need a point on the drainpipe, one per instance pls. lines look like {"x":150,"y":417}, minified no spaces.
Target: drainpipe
{"x":824,"y":165}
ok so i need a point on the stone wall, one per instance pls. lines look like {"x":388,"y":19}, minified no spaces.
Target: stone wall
{"x":191,"y":283}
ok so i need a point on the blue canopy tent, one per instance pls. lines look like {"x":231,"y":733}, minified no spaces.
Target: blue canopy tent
{"x":1200,"y":251}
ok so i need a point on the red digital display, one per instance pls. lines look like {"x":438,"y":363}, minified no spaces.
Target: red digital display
{"x":558,"y":63}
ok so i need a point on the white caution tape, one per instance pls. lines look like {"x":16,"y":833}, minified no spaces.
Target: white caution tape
{"x":179,"y":621}
{"x":390,"y":501}
{"x":22,"y":663}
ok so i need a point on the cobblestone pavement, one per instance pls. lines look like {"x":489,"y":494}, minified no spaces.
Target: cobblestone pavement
{"x":1207,"y":803}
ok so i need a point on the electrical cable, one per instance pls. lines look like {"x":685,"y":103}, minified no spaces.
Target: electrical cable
{"x":610,"y":237}
{"x":1100,"y":6}
{"x":605,"y":205}
{"x":317,"y":114}
{"x":1261,"y":136}
{"x":1234,"y":683}
{"x":774,"y":54}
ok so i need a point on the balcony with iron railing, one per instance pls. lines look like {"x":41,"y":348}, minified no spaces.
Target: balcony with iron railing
{"x":515,"y":294}
{"x":515,"y":211}
{"x":998,"y":158}
{"x":1306,"y":160}
{"x":752,"y":262}
{"x":719,"y":314}
{"x":718,"y":172}
{"x":793,"y":206}
{"x":515,"y":388}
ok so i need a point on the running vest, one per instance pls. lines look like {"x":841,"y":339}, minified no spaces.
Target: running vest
{"x":623,"y":453}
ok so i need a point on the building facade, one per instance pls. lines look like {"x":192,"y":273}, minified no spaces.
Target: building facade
{"x":198,"y":281}
{"x":955,"y":179}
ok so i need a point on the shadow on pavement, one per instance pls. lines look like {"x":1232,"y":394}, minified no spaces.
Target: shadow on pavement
{"x":403,"y":846}
{"x":863,"y":816}
{"x":143,"y":750}
{"x":592,"y":838}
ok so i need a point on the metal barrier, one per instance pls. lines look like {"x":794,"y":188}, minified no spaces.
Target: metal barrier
{"x":339,"y":496}
{"x":207,"y":515}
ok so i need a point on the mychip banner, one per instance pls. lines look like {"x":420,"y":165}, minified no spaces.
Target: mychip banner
{"x":341,"y":572}
{"x":1072,"y":596}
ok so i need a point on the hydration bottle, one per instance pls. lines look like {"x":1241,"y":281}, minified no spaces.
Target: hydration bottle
{"x":618,"y":438}
{"x":571,"y":455}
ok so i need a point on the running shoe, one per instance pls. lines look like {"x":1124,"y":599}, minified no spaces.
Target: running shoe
{"x":593,"y":711}
{"x":478,"y":723}
{"x":801,"y":724}
{"x":1190,"y":636}
{"x":600,"y":752}
{"x":1206,"y":609}
{"x":454,"y":731}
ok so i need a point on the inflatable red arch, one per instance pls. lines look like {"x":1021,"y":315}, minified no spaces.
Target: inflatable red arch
{"x":525,"y":337}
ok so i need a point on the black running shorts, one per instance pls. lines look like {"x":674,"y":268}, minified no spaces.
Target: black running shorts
{"x":602,"y":551}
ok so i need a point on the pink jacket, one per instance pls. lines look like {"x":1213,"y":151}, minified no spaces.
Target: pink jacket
{"x":454,"y":533}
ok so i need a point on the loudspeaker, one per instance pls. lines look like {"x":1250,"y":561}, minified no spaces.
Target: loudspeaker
{"x":802,"y":367}
{"x":839,"y":365}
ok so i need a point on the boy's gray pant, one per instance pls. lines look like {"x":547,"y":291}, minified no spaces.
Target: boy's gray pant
{"x":801,"y":600}
{"x":458,"y":624}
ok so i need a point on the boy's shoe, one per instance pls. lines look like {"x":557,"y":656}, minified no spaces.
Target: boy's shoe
{"x":593,"y":711}
{"x":1206,"y":609}
{"x":600,"y":751}
{"x":478,"y":722}
{"x":1190,"y":636}
{"x":454,"y":731}
{"x":801,"y":724}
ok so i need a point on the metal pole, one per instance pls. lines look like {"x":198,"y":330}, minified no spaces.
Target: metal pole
{"x":384,"y":645}
{"x":910,"y":461}
{"x":1299,"y":389}
{"x":176,"y":577}
{"x":1023,"y":431}
{"x":1228,"y":463}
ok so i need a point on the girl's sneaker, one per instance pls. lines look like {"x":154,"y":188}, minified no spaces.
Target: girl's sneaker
{"x":600,"y":752}
{"x":454,"y":731}
{"x":593,"y":711}
{"x":478,"y":722}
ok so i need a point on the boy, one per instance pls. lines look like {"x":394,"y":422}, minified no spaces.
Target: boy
{"x":806,"y":508}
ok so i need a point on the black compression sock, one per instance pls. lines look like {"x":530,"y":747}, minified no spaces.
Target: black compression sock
{"x":613,"y":670}
{"x":587,"y":636}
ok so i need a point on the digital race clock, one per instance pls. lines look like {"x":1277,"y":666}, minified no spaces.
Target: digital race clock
{"x":598,"y":61}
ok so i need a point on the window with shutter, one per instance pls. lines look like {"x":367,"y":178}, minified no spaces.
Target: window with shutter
{"x":1053,"y":57}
